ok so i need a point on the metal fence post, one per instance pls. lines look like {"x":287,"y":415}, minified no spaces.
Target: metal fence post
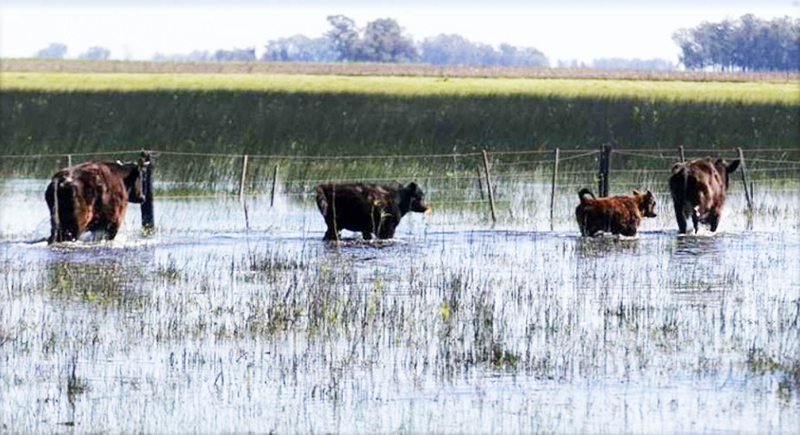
{"x":605,"y":165}
{"x":489,"y":185}
{"x":244,"y":176}
{"x":148,"y":217}
{"x":743,"y":170}
{"x":683,"y":156}
{"x":274,"y":184}
{"x":553,"y":189}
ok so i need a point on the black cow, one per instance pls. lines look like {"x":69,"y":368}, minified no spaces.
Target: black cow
{"x":367,"y":208}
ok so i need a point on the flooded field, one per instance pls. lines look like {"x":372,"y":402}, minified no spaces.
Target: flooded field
{"x":220,"y":323}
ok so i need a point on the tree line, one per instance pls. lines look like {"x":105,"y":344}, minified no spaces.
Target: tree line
{"x":747,"y":44}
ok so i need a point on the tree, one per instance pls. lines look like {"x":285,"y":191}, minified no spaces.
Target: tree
{"x":343,"y":37}
{"x":96,"y":53}
{"x":745,"y":45}
{"x":53,"y":51}
{"x":448,"y":50}
{"x":299,"y":48}
{"x":384,"y":42}
{"x":237,"y":55}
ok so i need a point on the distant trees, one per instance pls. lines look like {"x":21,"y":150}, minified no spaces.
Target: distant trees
{"x":194,"y":56}
{"x":53,"y":51}
{"x":96,"y":53}
{"x":457,"y":50}
{"x":648,"y":64}
{"x":382,"y":40}
{"x":300,"y":48}
{"x":237,"y":54}
{"x":748,"y":44}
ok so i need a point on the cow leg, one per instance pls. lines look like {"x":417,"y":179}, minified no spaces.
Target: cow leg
{"x":330,"y":234}
{"x":680,"y":217}
{"x":111,"y":230}
{"x":387,"y":229}
{"x":713,"y":220}
{"x":367,"y":235}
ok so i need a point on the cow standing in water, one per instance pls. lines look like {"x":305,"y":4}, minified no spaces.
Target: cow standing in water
{"x":367,"y":208}
{"x":616,"y":214}
{"x":93,"y":196}
{"x":698,"y":189}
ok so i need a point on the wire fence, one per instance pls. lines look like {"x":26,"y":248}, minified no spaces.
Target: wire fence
{"x":453,"y":180}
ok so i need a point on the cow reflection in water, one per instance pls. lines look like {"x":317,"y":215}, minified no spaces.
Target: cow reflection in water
{"x":93,"y":196}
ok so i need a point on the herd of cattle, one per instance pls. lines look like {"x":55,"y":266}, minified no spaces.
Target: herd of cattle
{"x":93,"y":196}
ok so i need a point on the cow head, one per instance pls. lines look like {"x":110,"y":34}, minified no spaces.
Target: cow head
{"x":646,"y":202}
{"x":724,"y":168}
{"x":416,"y":199}
{"x":133,"y":177}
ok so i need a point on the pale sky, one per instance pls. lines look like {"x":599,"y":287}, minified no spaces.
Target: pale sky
{"x":563,"y":30}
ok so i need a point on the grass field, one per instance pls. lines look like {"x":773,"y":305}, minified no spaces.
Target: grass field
{"x":671,"y":91}
{"x":337,"y":109}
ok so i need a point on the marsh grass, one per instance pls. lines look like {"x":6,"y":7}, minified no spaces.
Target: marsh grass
{"x":319,"y":115}
{"x":320,"y":327}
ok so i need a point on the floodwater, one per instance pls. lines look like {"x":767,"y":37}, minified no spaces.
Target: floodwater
{"x":456,"y":326}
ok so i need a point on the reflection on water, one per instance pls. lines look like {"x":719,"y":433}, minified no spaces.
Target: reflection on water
{"x":449,"y":328}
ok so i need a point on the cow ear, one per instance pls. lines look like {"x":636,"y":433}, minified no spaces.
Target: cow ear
{"x":636,"y":192}
{"x":119,"y":163}
{"x":733,"y":165}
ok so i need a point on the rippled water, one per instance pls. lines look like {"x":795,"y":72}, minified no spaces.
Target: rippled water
{"x":455,"y":326}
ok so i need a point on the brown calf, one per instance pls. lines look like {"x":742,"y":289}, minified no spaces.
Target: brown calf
{"x":615,"y":214}
{"x":92,"y":196}
{"x":698,"y":189}
{"x":367,"y":208}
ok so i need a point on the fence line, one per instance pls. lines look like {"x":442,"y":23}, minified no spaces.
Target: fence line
{"x":582,"y":152}
{"x":489,"y":162}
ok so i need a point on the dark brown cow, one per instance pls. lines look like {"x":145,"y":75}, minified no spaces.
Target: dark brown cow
{"x":367,"y":208}
{"x":92,"y":196}
{"x":615,"y":214}
{"x":698,"y":189}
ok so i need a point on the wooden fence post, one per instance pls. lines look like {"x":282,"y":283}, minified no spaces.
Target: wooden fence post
{"x":553,"y":189}
{"x":244,"y":176}
{"x":148,"y":217}
{"x":605,"y":165}
{"x":489,"y":185}
{"x":743,"y":170}
{"x":480,"y":183}
{"x":69,"y":160}
{"x":274,"y":184}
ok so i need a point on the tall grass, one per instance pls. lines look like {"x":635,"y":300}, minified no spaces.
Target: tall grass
{"x":328,"y":123}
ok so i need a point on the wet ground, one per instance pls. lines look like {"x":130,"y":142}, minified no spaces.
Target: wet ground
{"x":455,"y":326}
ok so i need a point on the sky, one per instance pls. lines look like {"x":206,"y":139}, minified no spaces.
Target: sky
{"x":580,"y":30}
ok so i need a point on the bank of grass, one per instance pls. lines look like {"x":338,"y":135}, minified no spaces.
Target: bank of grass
{"x":47,"y":113}
{"x":755,"y":92}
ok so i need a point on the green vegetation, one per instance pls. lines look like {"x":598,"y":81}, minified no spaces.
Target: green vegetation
{"x":669,"y":91}
{"x":356,"y":114}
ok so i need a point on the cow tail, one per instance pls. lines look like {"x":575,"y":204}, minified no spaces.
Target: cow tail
{"x":322,"y":201}
{"x":585,"y":194}
{"x":55,"y":219}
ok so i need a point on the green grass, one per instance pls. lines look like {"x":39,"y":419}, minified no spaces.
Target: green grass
{"x":673,"y":91}
{"x":355,"y":115}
